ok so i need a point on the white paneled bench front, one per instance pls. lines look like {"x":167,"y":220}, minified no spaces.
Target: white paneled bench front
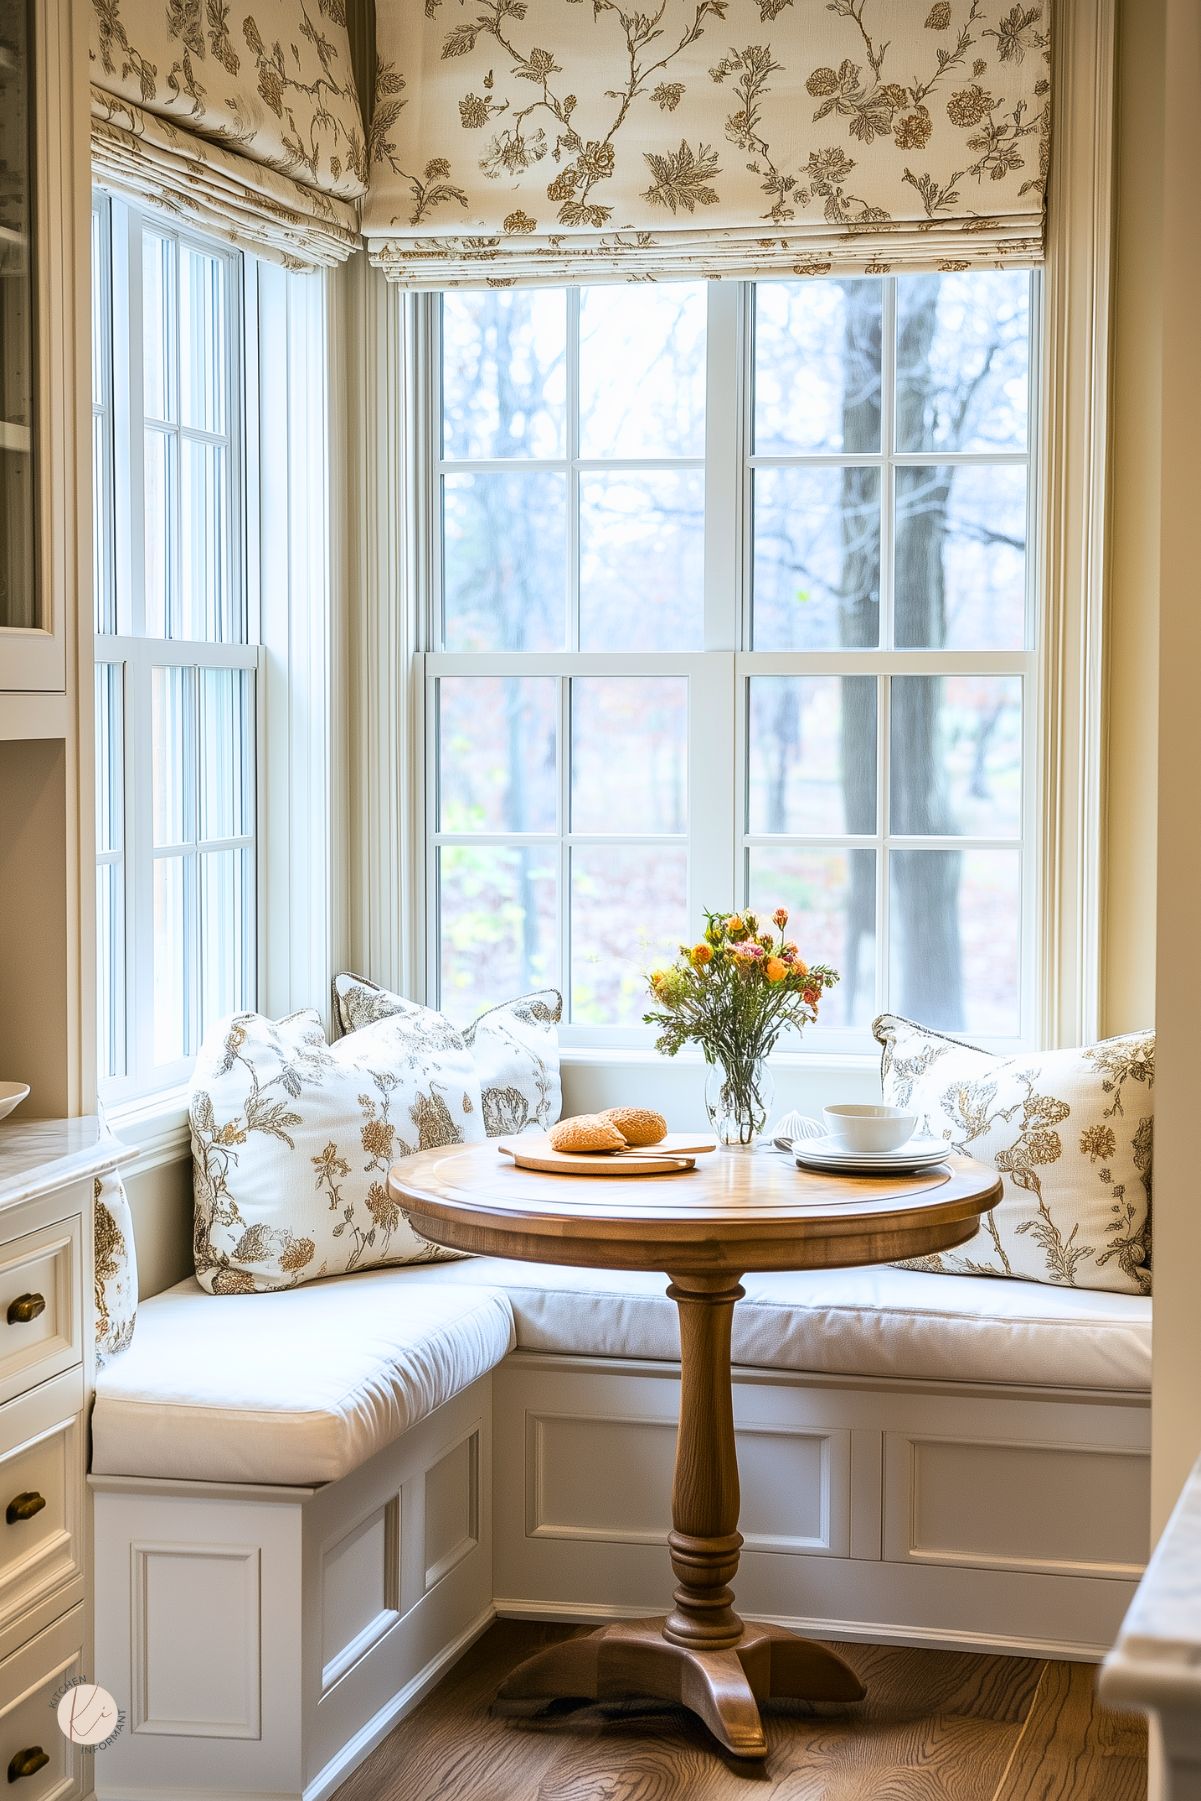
{"x":293,"y":1526}
{"x":300,"y":1518}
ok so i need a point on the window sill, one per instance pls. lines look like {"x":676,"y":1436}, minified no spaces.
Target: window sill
{"x":156,"y":1126}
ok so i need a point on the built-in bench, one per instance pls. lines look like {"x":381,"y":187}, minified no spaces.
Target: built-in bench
{"x":307,"y":1503}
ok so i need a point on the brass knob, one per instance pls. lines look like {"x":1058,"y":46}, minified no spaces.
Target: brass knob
{"x":28,"y":1763}
{"x":25,"y":1308}
{"x":23,"y":1507}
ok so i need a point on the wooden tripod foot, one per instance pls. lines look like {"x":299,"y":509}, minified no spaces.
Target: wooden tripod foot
{"x":723,"y":1688}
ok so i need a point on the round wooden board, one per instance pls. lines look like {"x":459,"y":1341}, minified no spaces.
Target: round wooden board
{"x":674,"y":1155}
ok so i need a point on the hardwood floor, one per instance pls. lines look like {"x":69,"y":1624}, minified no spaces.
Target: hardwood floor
{"x":936,"y":1726}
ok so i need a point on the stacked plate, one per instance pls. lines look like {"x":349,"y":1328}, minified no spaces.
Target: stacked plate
{"x":827,"y":1154}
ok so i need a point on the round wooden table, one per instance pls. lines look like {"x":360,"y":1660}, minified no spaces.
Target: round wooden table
{"x":705,"y":1228}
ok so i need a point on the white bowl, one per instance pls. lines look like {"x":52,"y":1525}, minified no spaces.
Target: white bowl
{"x":11,"y":1095}
{"x":857,"y":1127}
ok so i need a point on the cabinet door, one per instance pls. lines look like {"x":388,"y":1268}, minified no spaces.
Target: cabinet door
{"x":44,"y":353}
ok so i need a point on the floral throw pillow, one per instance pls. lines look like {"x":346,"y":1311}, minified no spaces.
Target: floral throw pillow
{"x":292,"y":1140}
{"x":1070,"y":1134}
{"x":116,"y":1269}
{"x":515,"y":1047}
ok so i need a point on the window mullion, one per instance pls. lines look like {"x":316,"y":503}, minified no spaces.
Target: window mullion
{"x":573,"y":473}
{"x":563,"y":772}
{"x":888,"y":428}
{"x":139,"y":738}
{"x":724,"y":452}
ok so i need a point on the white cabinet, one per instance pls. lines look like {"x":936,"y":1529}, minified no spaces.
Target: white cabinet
{"x":45,"y":348}
{"x":48,"y":1170}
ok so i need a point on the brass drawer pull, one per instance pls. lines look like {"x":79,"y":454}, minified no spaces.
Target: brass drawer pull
{"x":26,"y":1307}
{"x":28,"y":1763}
{"x":23,"y":1507}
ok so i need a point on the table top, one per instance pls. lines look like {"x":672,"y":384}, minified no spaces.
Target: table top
{"x":737,"y":1211}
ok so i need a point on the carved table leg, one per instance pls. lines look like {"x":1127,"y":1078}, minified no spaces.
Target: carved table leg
{"x":702,"y":1654}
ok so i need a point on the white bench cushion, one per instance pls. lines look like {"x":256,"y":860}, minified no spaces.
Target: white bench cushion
{"x":879,"y":1321}
{"x":296,"y":1387}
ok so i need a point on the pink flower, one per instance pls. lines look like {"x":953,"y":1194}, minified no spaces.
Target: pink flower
{"x":748,"y":948}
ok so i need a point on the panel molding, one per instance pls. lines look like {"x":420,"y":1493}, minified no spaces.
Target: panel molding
{"x":143,"y":1651}
{"x":834,"y":1445}
{"x":437,"y":1568}
{"x":902,"y":1501}
{"x":357,"y":1647}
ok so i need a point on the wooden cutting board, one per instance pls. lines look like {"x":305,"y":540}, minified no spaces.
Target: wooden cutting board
{"x":678,"y":1151}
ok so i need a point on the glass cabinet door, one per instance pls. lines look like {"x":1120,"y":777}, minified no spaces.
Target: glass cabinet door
{"x":19,"y":605}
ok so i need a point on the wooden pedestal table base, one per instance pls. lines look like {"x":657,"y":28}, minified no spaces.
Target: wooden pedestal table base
{"x":701,"y":1655}
{"x":705,"y":1227}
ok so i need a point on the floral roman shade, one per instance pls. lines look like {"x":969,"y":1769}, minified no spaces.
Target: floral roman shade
{"x":239,"y":116}
{"x":558,"y":140}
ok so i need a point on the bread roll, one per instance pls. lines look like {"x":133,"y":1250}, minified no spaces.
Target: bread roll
{"x":637,"y":1125}
{"x":586,"y":1132}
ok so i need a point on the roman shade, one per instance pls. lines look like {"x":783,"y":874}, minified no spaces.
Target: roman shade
{"x":543,"y":141}
{"x":239,"y":117}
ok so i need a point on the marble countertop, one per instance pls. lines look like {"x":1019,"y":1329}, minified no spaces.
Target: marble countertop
{"x":1157,"y":1659}
{"x":40,"y":1155}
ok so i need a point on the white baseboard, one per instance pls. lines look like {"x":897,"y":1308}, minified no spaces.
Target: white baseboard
{"x":854,"y":1632}
{"x":403,"y":1702}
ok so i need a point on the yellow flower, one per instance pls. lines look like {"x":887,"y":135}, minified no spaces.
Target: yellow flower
{"x":775,"y":969}
{"x":702,"y":953}
{"x":735,"y":926}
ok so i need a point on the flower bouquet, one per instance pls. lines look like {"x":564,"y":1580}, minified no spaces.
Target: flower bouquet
{"x":733,"y":994}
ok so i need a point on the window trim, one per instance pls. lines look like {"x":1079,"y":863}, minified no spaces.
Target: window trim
{"x":719,"y":855}
{"x":295,"y":600}
{"x":136,"y":655}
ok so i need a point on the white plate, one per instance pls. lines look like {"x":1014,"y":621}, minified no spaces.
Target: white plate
{"x":822,"y":1154}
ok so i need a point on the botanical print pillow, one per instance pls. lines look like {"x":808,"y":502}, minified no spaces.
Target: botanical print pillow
{"x":1069,"y":1132}
{"x":116,"y":1267}
{"x":292,"y":1140}
{"x":515,"y":1046}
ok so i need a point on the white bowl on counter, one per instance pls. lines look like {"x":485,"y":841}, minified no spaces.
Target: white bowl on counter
{"x":856,"y":1126}
{"x":11,"y":1095}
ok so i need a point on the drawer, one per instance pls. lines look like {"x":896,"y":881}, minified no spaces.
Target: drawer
{"x":30,"y":1681}
{"x":41,"y":1305}
{"x":41,"y":1506}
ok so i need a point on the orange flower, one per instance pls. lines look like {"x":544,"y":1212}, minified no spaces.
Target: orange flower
{"x":811,"y":996}
{"x":781,"y":917}
{"x":800,"y":967}
{"x":735,"y":926}
{"x":775,"y":970}
{"x":702,"y":953}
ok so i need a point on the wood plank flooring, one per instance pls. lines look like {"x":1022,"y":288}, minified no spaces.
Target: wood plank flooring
{"x":936,"y":1726}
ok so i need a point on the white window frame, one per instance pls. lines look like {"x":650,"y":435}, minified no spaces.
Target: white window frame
{"x":294,"y":359}
{"x":719,"y":849}
{"x":138,"y":655}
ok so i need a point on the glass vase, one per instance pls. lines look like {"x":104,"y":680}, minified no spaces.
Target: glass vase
{"x":738,"y":1097}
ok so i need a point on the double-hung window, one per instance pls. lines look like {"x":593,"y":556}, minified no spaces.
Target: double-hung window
{"x":732,"y":601}
{"x":176,"y":656}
